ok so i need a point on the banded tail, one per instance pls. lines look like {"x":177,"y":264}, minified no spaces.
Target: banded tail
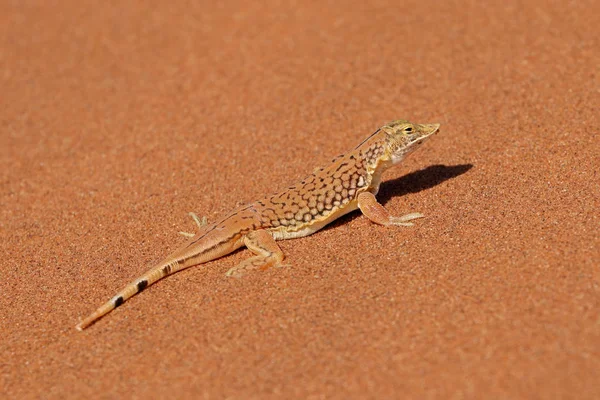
{"x":209,"y":245}
{"x":151,"y":276}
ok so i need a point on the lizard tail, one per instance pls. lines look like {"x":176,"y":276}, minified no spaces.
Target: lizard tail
{"x":156,"y":273}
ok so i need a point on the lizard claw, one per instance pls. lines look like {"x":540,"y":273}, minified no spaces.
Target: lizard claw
{"x":200,"y":222}
{"x":403,"y":220}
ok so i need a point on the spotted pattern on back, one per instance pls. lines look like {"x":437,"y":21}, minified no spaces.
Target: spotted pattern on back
{"x":323,"y":192}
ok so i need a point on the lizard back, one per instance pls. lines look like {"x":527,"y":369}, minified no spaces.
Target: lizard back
{"x":326,"y":194}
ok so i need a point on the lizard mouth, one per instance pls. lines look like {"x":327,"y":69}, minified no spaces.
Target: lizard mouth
{"x":426,"y":130}
{"x":429,"y":129}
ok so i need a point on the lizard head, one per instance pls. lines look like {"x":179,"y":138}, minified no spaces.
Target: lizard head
{"x":404,"y":137}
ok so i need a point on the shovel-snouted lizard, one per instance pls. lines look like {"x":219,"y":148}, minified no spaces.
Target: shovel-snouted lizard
{"x":351,"y":181}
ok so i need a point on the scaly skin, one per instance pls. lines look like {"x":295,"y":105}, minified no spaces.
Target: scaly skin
{"x":351,"y":181}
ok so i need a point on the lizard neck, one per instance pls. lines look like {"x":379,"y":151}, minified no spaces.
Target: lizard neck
{"x":376,"y":173}
{"x":376,"y":159}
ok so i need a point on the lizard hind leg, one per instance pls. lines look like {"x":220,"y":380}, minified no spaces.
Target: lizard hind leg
{"x":200,"y":222}
{"x":267,"y":254}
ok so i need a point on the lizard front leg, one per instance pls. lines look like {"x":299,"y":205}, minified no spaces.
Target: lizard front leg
{"x":268,"y":254}
{"x":377,"y":213}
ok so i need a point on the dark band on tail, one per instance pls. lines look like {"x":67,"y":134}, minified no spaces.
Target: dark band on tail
{"x":141,"y":285}
{"x":118,"y":301}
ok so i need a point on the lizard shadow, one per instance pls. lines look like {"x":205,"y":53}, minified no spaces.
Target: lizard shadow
{"x":420,"y":180}
{"x":413,"y":182}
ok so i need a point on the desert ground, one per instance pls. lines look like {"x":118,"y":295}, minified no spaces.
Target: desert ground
{"x":119,"y":118}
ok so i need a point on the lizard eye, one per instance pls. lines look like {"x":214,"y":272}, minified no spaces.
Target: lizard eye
{"x":408,"y":129}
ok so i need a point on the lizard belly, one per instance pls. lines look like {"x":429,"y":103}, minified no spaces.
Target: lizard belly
{"x":282,"y":233}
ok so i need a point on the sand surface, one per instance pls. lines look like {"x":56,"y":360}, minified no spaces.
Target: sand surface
{"x":118,"y":118}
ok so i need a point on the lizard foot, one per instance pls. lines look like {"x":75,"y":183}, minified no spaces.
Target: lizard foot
{"x":200,"y":222}
{"x":403,"y":220}
{"x":252,"y":264}
{"x":267,"y":254}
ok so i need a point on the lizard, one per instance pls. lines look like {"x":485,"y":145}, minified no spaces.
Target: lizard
{"x":349,"y":182}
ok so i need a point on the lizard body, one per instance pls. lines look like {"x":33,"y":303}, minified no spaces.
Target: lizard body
{"x":349,"y":182}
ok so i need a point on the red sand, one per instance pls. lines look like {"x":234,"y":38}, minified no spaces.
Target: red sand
{"x":116,"y":120}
